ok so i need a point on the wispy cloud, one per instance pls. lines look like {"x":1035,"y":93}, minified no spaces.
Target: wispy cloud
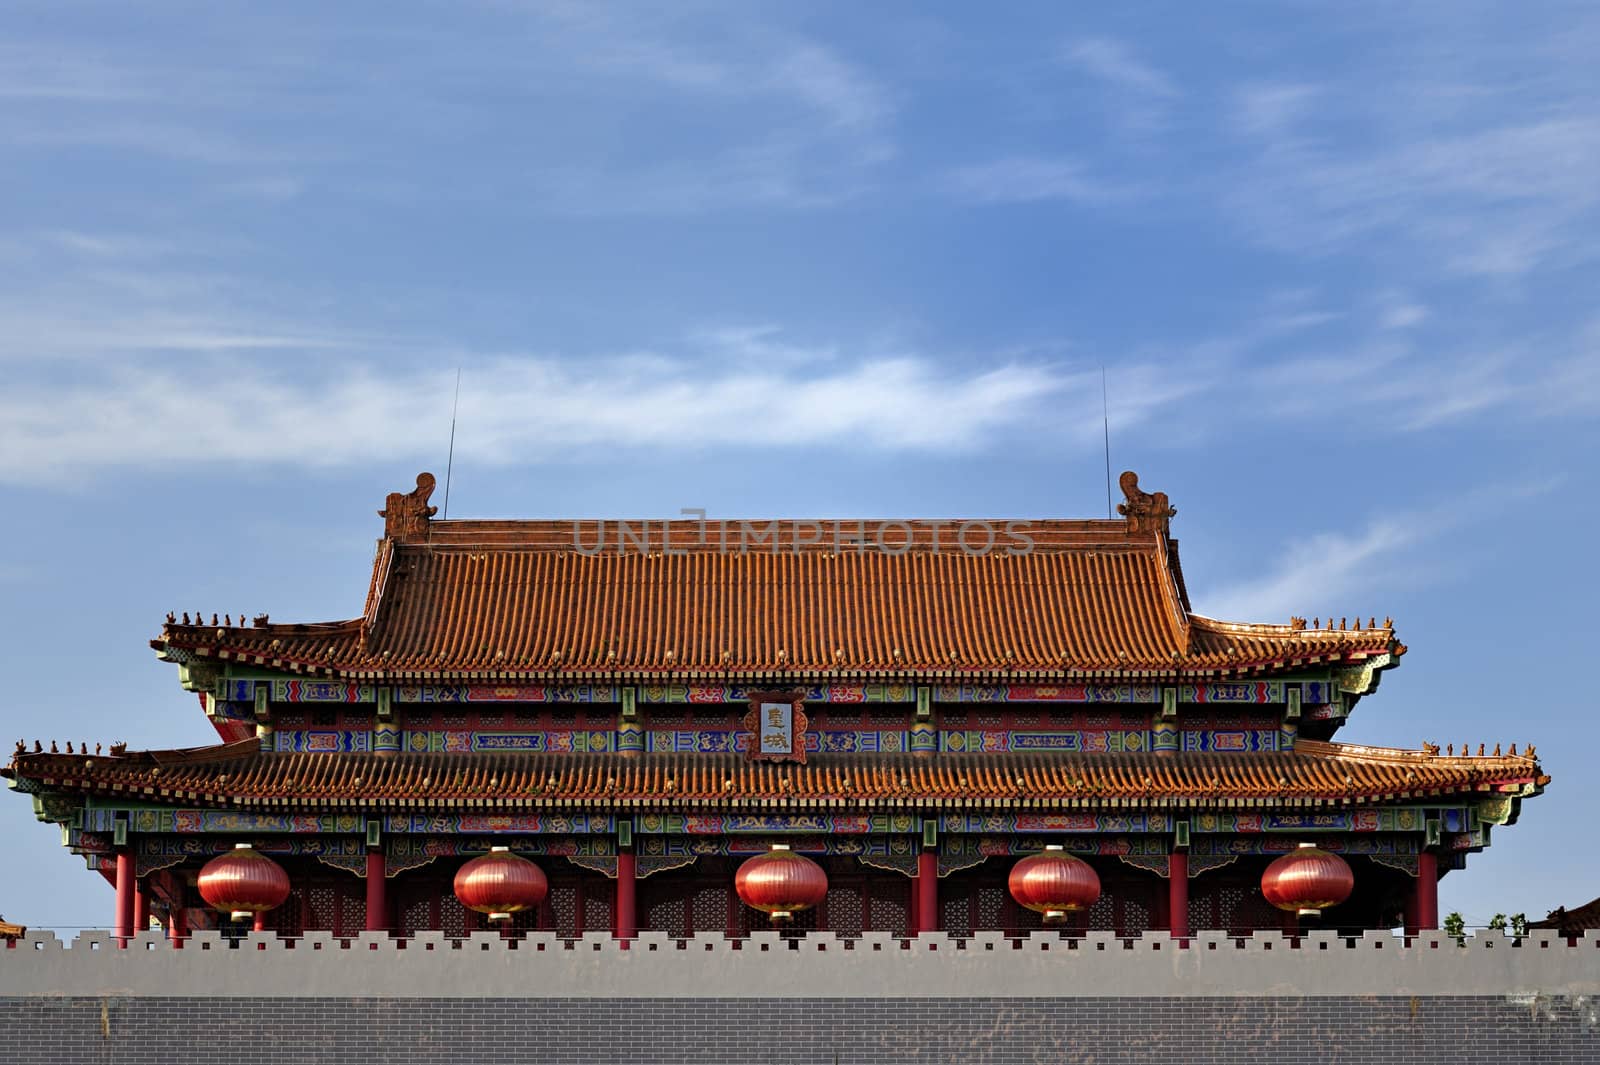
{"x":1331,"y":569}
{"x":1031,"y":179}
{"x":1113,"y":62}
{"x":513,"y":411}
{"x":1139,"y":96}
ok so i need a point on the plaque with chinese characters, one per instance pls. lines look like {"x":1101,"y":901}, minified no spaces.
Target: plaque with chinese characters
{"x":777,"y":726}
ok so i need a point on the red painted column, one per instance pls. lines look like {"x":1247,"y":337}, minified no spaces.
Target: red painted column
{"x":928,"y":891}
{"x":1178,"y":894}
{"x":626,"y":924}
{"x":260,"y":923}
{"x":377,"y":902}
{"x":1427,"y":904}
{"x":178,"y":926}
{"x":124,"y":920}
{"x":141,"y":908}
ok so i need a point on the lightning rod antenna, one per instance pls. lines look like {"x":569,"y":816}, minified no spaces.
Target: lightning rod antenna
{"x":449,"y":463}
{"x":1105,"y":421}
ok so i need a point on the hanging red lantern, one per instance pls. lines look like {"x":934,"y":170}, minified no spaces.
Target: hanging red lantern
{"x":1307,"y":880}
{"x":500,"y":884}
{"x":243,"y":883}
{"x":780,"y":883}
{"x":1054,"y":883}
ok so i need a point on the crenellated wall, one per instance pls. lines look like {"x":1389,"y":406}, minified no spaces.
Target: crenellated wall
{"x":817,"y":998}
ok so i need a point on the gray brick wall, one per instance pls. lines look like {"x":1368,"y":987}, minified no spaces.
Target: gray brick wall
{"x":1103,"y":1031}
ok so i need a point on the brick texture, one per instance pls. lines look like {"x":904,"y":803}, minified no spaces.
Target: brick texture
{"x":1450,"y":1030}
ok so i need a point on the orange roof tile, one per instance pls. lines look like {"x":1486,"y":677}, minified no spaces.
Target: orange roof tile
{"x":520,"y":598}
{"x":1315,"y":773}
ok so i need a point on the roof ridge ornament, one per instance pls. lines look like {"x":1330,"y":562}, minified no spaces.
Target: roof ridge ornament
{"x":1145,"y":511}
{"x":405,"y":514}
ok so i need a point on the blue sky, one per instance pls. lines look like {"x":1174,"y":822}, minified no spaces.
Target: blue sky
{"x":1338,"y":261}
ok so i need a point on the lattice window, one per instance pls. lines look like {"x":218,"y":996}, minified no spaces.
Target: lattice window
{"x":991,"y":906}
{"x":452,"y":916}
{"x":670,"y":915}
{"x":324,"y":717}
{"x":1103,"y":914}
{"x":1135,"y":917}
{"x":323,"y":902}
{"x":710,"y":908}
{"x":455,"y":719}
{"x":352,"y":910}
{"x":416,"y":913}
{"x":290,"y":718}
{"x":599,"y":903}
{"x":844,"y":908}
{"x":955,"y":908}
{"x":888,"y":903}
{"x":563,"y":906}
{"x":289,"y":919}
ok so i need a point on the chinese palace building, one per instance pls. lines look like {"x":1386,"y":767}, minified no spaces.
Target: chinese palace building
{"x":637,"y":709}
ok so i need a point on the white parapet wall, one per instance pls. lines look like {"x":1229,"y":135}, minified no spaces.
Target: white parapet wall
{"x":874,"y":966}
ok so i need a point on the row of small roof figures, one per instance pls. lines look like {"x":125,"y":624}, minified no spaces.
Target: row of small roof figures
{"x":1466,"y":750}
{"x":260,"y":620}
{"x":38,"y":748}
{"x":1297,"y":623}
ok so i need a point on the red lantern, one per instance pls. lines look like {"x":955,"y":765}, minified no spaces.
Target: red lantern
{"x":1307,"y":880}
{"x":1054,"y":883}
{"x":780,"y":882}
{"x":500,"y":884}
{"x":243,"y":882}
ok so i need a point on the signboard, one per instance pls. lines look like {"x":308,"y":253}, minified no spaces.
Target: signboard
{"x":777,"y":724}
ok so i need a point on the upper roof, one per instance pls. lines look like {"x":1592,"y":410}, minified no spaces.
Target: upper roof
{"x":1314,"y":773}
{"x":550,"y":598}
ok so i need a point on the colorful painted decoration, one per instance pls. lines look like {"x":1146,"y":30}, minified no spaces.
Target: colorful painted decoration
{"x":1054,"y":883}
{"x":1307,"y":880}
{"x":500,"y":884}
{"x":243,"y":883}
{"x":780,"y":883}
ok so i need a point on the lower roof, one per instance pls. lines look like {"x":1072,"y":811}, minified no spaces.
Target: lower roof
{"x":240,"y":774}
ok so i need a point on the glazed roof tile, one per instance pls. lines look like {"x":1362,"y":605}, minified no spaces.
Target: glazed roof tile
{"x":501,"y":599}
{"x":1314,"y":774}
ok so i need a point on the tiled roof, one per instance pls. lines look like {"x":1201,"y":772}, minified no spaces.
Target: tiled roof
{"x":500,"y":599}
{"x":1573,"y":922}
{"x":1314,"y":774}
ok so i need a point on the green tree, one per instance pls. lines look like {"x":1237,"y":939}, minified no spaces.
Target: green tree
{"x":1455,"y":926}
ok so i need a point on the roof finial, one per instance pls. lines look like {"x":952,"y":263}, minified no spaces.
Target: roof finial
{"x":1146,"y":511}
{"x":406,"y":514}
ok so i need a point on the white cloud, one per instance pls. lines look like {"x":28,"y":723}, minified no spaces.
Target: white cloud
{"x":1327,"y":568}
{"x":1334,"y":569}
{"x":513,"y":411}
